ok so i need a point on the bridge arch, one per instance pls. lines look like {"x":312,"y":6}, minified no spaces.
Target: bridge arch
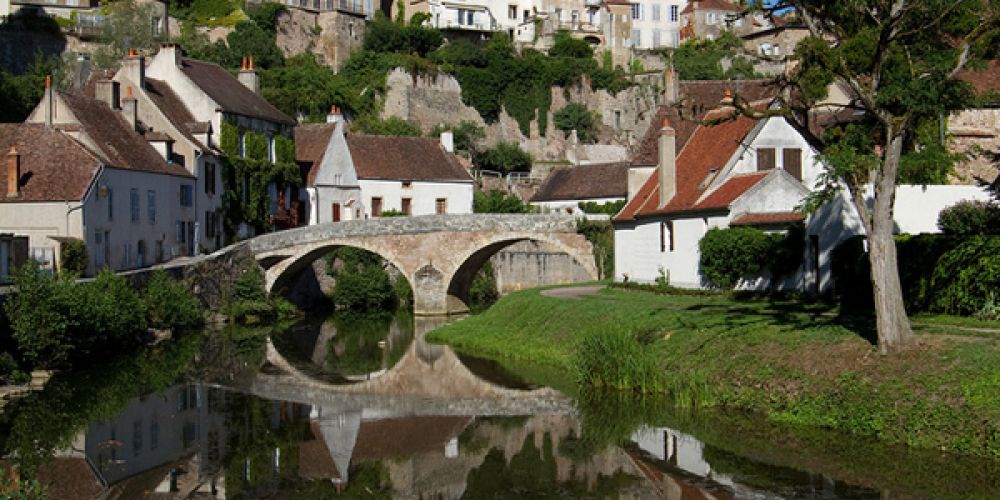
{"x":460,"y":281}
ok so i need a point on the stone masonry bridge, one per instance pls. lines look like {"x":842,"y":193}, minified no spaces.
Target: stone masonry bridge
{"x":438,"y":254}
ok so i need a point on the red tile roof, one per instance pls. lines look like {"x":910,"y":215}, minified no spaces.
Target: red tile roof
{"x":710,"y":147}
{"x":985,"y":80}
{"x":765,"y":219}
{"x":54,"y":167}
{"x":404,"y":158}
{"x":310,"y":146}
{"x":733,"y":188}
{"x":585,"y":182}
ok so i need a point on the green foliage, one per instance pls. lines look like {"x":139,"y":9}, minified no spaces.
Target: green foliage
{"x":37,"y":322}
{"x":727,"y":255}
{"x":383,"y":35}
{"x":609,"y":207}
{"x":393,"y":213}
{"x":21,"y":93}
{"x":393,"y":125}
{"x":265,"y":14}
{"x":701,"y":59}
{"x":505,"y":157}
{"x":483,"y":290}
{"x":496,"y":201}
{"x":252,"y":39}
{"x":601,"y":235}
{"x":303,"y":85}
{"x":564,"y":45}
{"x":169,"y":304}
{"x":576,"y":116}
{"x":619,"y":359}
{"x":362,"y":281}
{"x":14,"y":488}
{"x":968,"y":276}
{"x":249,"y":303}
{"x":126,"y":26}
{"x":467,"y":136}
{"x":73,"y":257}
{"x":970,"y":218}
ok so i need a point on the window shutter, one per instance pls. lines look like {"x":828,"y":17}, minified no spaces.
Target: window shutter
{"x":765,"y":159}
{"x":792,"y":161}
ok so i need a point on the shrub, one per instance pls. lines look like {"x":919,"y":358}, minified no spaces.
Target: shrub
{"x":404,"y":293}
{"x":608,"y":207}
{"x":362,"y":282}
{"x":970,"y":218}
{"x":601,"y":236}
{"x":565,"y":45}
{"x":576,"y":116}
{"x":393,"y":125}
{"x":483,"y":290}
{"x":467,"y":136}
{"x":968,"y":276}
{"x":496,"y":201}
{"x":730,"y":254}
{"x":505,"y":157}
{"x":73,"y":257}
{"x":105,"y":312}
{"x":169,"y":304}
{"x":37,"y":322}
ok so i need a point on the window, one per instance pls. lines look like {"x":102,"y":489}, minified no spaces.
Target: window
{"x":209,"y":178}
{"x":111,"y":204}
{"x":663,"y":237}
{"x":765,"y":49}
{"x":777,"y":50}
{"x":673,"y":13}
{"x":670,"y":230}
{"x":376,"y":207}
{"x":133,"y":204}
{"x":618,"y":119}
{"x":151,"y":206}
{"x":656,"y":12}
{"x":667,"y":236}
{"x":791,"y":160}
{"x":209,"y":224}
{"x":470,"y":17}
{"x":636,"y":38}
{"x":461,"y":16}
{"x":765,"y":159}
{"x":181,"y":233}
{"x":636,"y":9}
{"x":243,"y":142}
{"x":512,"y":12}
{"x":441,"y":206}
{"x":710,"y":18}
{"x":656,"y":38}
{"x":187,"y":195}
{"x":407,"y":206}
{"x":272,"y":154}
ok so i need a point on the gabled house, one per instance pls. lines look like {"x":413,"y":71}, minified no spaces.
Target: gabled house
{"x":77,"y":169}
{"x":566,"y":188}
{"x":227,"y":113}
{"x":357,"y":176}
{"x":708,"y":18}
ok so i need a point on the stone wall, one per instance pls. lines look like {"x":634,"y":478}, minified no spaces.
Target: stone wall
{"x":530,"y":264}
{"x":969,"y":130}
{"x":331,"y":36}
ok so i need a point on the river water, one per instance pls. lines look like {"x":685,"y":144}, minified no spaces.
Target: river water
{"x":362,"y":407}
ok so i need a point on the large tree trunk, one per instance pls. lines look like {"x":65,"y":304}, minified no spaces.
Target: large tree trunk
{"x":894,"y":331}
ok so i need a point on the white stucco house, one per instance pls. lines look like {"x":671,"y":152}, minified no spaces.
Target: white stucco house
{"x":656,"y":23}
{"x":356,"y":176}
{"x":78,"y":169}
{"x":747,"y":172}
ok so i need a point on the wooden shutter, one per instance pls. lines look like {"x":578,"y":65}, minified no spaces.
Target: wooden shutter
{"x":765,"y":159}
{"x":792,"y":161}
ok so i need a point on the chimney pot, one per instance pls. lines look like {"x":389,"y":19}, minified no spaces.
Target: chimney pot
{"x":448,"y":141}
{"x":13,"y":173}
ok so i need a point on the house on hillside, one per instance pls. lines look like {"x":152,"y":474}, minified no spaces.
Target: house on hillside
{"x":656,"y":23}
{"x":741,"y":171}
{"x":566,"y":188}
{"x":708,"y":18}
{"x":78,"y":169}
{"x":230,"y":115}
{"x":357,"y":176}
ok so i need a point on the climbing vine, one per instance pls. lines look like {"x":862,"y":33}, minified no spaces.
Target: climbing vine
{"x":246,"y":178}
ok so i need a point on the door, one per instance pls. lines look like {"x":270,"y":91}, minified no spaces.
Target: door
{"x":335,"y":212}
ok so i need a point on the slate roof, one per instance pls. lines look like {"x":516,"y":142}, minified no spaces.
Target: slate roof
{"x":229,"y":93}
{"x":709,"y":148}
{"x":764,"y":219}
{"x":53,"y":165}
{"x":404,"y":158}
{"x":585,"y":182}
{"x":118,"y":144}
{"x":176,"y":112}
{"x":696,"y":98}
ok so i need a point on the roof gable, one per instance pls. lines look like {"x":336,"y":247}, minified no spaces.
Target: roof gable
{"x":174,"y":110}
{"x":324,"y":149}
{"x":54,"y":167}
{"x":229,"y":93}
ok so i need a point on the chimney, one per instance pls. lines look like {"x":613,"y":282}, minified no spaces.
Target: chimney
{"x":248,"y":77}
{"x":668,"y":162}
{"x":49,"y":101}
{"x":130,"y":108}
{"x":448,"y":141}
{"x":335,"y":115}
{"x":108,"y":92}
{"x":727,"y":98}
{"x":134,"y":68}
{"x":171,"y":52}
{"x":13,"y":173}
{"x":671,"y":86}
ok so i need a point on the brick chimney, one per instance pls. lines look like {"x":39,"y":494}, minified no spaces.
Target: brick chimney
{"x":172,"y":52}
{"x":49,"y":101}
{"x":248,"y":77}
{"x":668,"y":162}
{"x":130,"y":108}
{"x":134,"y":68}
{"x":13,"y":173}
{"x":727,"y":98}
{"x":108,"y":92}
{"x":335,"y":115}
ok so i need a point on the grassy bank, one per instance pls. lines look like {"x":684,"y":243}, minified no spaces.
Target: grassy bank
{"x":797,"y":364}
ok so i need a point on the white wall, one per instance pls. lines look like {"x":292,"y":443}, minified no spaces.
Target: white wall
{"x":422,"y":194}
{"x":40,"y":220}
{"x":569,"y":206}
{"x":778,"y":134}
{"x":322,"y":198}
{"x":668,"y":30}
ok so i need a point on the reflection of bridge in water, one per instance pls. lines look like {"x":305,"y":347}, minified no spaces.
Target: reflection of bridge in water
{"x":427,"y":380}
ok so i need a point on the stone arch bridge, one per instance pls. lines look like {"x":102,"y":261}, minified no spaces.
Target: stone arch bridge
{"x":438,"y":254}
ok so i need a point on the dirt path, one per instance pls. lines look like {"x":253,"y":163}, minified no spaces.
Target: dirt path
{"x":573,"y":292}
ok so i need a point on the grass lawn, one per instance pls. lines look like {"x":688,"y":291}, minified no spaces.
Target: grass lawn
{"x":795,"y":363}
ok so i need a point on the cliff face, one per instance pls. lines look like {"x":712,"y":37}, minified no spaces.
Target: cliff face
{"x":331,"y":36}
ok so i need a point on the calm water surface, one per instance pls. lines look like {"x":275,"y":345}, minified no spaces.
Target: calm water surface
{"x":362,"y":407}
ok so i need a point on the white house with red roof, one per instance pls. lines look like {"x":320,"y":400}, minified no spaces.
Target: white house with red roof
{"x":735,"y":170}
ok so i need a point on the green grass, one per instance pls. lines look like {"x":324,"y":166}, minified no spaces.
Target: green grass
{"x":795,"y":363}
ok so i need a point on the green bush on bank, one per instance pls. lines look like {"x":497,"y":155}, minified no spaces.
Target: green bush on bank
{"x":730,"y":254}
{"x":250,"y":304}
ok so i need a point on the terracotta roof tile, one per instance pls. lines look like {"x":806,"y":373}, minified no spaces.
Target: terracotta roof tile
{"x":696,"y":98}
{"x":404,"y":158}
{"x":310,"y":145}
{"x":725,"y":194}
{"x":53,"y":165}
{"x":229,"y":93}
{"x":118,"y":143}
{"x":584,"y":182}
{"x":764,"y":219}
{"x":405,"y":437}
{"x":710,"y":147}
{"x":985,"y":80}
